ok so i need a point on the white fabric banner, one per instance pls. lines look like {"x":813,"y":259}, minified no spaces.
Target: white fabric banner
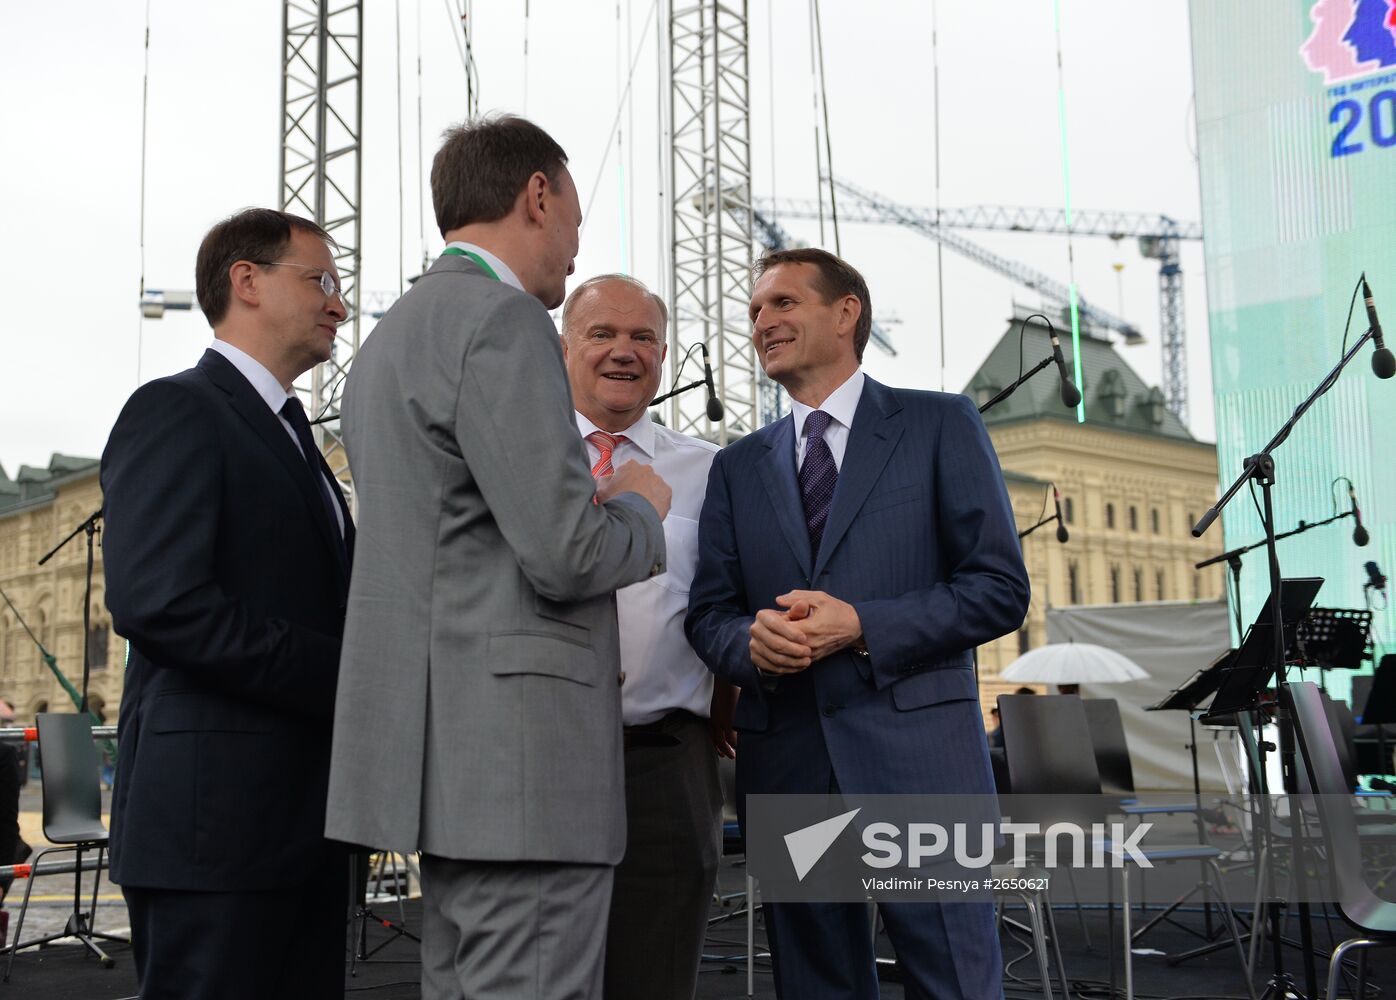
{"x":1171,"y":640}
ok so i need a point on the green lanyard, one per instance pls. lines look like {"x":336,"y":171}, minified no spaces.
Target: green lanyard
{"x":458,"y":252}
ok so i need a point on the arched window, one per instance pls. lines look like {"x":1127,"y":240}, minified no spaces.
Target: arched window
{"x":1068,"y":511}
{"x":1154,"y":520}
{"x":1133,"y":518}
{"x":1110,"y":515}
{"x":1114,"y":585}
{"x":1158,"y":585}
{"x":1138,"y":584}
{"x":1073,"y":578}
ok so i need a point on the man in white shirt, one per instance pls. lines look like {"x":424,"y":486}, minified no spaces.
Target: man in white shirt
{"x":613,"y":342}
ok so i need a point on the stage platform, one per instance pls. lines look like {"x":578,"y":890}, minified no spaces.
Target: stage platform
{"x":65,"y":973}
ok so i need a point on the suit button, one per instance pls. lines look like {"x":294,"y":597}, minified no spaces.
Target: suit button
{"x":829,"y":711}
{"x":656,"y":569}
{"x":620,"y":678}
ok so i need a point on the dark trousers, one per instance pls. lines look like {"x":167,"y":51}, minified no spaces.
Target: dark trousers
{"x":664,"y":884}
{"x":280,"y":943}
{"x":944,"y":950}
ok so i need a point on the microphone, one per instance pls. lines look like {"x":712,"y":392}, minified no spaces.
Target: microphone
{"x":1359,"y":533}
{"x":714,"y":404}
{"x":1070,"y":394}
{"x":1383,"y":363}
{"x":1374,"y":578}
{"x":1062,"y":533}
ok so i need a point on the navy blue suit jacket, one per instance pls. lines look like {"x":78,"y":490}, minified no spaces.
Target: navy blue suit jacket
{"x":920,"y":539}
{"x":221,"y":570}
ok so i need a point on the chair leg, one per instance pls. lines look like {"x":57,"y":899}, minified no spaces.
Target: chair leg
{"x":1039,"y":942}
{"x":1129,"y":938}
{"x":750,"y":935}
{"x":1056,"y":945}
{"x":1080,"y":913}
{"x":1230,"y":919}
{"x":1335,"y":966}
{"x":23,"y":909}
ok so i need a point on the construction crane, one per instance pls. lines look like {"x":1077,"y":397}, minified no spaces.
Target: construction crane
{"x":1159,"y":238}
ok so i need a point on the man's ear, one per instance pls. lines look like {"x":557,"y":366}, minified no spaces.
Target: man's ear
{"x":245,"y":278}
{"x":562,"y":339}
{"x":851,"y":308}
{"x":536,"y":194}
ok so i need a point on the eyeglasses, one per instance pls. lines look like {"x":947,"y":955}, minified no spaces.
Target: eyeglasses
{"x":327,"y":284}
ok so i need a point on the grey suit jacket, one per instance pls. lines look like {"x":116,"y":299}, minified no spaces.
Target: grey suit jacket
{"x":478,"y":710}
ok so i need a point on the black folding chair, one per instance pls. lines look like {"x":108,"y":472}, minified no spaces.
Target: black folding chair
{"x":72,"y":821}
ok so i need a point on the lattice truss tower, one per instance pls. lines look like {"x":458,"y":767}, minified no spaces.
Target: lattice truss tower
{"x":710,"y":191}
{"x":321,"y":171}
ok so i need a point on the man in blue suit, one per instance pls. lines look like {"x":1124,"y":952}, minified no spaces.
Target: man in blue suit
{"x":851,"y":556}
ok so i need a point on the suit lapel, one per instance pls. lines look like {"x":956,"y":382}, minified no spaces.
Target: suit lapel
{"x":777,"y":469}
{"x":877,"y":427}
{"x":255,"y":412}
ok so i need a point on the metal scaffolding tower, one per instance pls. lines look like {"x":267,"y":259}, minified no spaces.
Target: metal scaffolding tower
{"x":710,"y":213}
{"x":320,"y":176}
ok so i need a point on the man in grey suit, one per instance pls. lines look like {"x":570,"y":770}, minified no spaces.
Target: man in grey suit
{"x":478,"y":717}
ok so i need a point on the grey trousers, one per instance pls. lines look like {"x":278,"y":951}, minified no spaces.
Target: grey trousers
{"x":664,"y":884}
{"x":513,"y":930}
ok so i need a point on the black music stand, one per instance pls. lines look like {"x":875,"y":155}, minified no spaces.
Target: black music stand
{"x":1337,"y":638}
{"x":1188,"y":697}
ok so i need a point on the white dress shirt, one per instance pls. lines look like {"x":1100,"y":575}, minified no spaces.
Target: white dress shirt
{"x":841,"y":405}
{"x":662,"y":672}
{"x":501,"y":269}
{"x":273,"y":393}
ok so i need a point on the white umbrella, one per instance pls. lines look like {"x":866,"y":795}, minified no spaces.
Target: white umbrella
{"x":1073,"y":663}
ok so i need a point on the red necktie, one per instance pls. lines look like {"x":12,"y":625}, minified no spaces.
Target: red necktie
{"x":606,"y":444}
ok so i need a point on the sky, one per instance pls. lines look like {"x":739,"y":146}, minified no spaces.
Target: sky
{"x":73,"y":345}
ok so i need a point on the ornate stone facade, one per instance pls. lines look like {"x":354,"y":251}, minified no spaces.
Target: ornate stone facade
{"x":37,"y":509}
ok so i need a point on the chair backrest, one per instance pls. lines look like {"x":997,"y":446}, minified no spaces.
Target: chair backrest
{"x":1344,"y":728}
{"x":1111,"y":749}
{"x":1047,"y":746}
{"x":71,"y":777}
{"x":1358,"y":904}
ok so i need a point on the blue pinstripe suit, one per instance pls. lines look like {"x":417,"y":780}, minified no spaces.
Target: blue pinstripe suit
{"x":920,"y":540}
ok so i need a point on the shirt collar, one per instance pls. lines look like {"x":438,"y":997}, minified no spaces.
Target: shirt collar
{"x":273,"y":393}
{"x":640,"y":433}
{"x":841,"y":404}
{"x":500,"y":268}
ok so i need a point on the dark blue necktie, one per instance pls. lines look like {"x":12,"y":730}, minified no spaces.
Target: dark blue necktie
{"x":295,"y":416}
{"x":818,"y":477}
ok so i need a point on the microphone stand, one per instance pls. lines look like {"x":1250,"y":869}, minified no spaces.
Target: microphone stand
{"x":1260,"y":468}
{"x":89,"y":526}
{"x":1046,"y":520}
{"x":681,"y":389}
{"x":1233,"y":558}
{"x":1009,"y":390}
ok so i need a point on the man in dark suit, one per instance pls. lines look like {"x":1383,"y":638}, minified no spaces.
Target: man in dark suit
{"x":851,"y":627}
{"x":227,"y":567}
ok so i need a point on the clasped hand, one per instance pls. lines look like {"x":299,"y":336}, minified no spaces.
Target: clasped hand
{"x":809,"y":626}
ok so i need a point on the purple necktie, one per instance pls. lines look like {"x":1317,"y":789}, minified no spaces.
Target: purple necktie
{"x":818,"y":477}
